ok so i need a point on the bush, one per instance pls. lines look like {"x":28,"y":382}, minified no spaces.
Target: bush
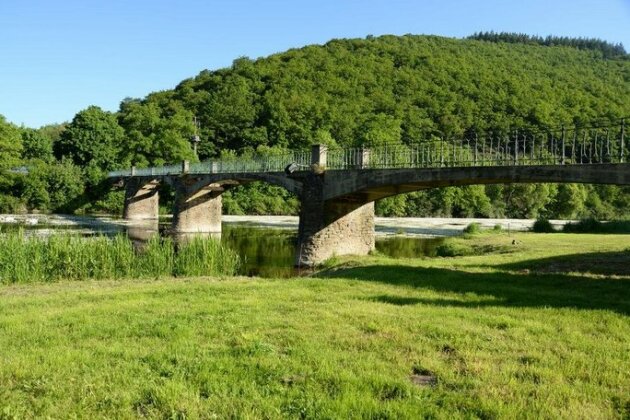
{"x":595,"y":226}
{"x":583,"y":226}
{"x":111,"y":202}
{"x":472,"y":228}
{"x":453,"y":249}
{"x":10,"y":204}
{"x":497,"y":228}
{"x":542,"y":226}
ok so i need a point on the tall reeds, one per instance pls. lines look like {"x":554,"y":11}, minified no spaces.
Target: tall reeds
{"x":71,"y":257}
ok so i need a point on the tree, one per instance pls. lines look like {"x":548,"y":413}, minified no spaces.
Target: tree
{"x":53,"y":187}
{"x":93,"y":137}
{"x":36,"y":145}
{"x":569,"y":201}
{"x":156,"y":135}
{"x":389,"y":89}
{"x":10,"y":148}
{"x":10,"y":144}
{"x":381,"y":129}
{"x":525,"y":200}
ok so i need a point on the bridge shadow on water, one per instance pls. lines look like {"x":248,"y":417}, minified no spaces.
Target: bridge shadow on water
{"x":522,"y":288}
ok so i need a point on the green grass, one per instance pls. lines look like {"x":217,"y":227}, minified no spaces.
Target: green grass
{"x":71,"y":257}
{"x":510,"y":334}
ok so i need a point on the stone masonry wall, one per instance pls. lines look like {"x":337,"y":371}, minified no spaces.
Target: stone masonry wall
{"x":332,"y":227}
{"x":196,"y":211}
{"x":141,"y":199}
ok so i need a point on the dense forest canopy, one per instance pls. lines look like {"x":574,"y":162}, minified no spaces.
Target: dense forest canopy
{"x":607,"y":49}
{"x":400,"y":89}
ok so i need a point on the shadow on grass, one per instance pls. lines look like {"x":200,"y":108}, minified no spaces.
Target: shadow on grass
{"x":494,"y":289}
{"x":602,"y":263}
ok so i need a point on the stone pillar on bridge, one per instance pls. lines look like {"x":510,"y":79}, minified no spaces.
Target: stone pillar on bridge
{"x":327,"y":228}
{"x":197,"y":209}
{"x":141,"y":199}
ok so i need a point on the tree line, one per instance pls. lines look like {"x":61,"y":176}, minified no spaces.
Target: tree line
{"x":347,"y":92}
{"x":607,"y":49}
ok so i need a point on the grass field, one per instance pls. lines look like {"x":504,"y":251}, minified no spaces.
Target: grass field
{"x":538,"y":326}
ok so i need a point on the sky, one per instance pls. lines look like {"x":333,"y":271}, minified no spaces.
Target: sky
{"x":58,"y":57}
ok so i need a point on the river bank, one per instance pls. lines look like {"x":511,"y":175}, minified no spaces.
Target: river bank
{"x":43,"y":224}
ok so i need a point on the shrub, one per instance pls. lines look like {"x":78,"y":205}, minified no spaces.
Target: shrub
{"x":594,"y":226}
{"x":583,"y":226}
{"x":542,"y":226}
{"x":10,"y":204}
{"x":472,"y":228}
{"x":453,"y":249}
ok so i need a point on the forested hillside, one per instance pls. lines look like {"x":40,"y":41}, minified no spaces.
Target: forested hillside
{"x":347,"y":92}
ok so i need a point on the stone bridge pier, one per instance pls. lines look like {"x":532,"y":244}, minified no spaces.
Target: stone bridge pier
{"x":141,"y":199}
{"x":334,"y":227}
{"x":197,"y":207}
{"x":331,"y":227}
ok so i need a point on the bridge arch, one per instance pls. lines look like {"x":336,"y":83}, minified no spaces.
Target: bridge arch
{"x":220,"y":182}
{"x":374,"y":184}
{"x":198,"y":202}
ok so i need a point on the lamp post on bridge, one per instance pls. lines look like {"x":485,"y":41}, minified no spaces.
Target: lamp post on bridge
{"x":195,"y":139}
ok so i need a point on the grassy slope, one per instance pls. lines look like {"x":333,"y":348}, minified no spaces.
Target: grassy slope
{"x":504,"y":335}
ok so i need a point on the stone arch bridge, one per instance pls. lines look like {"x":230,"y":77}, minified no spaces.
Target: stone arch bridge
{"x":338,"y":187}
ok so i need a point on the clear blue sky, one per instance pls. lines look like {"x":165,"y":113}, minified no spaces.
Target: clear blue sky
{"x":58,"y":57}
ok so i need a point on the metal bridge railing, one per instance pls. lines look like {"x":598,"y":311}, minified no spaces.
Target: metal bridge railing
{"x":564,"y":146}
{"x":240,"y":164}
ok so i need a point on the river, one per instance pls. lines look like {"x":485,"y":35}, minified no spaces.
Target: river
{"x":267,"y":243}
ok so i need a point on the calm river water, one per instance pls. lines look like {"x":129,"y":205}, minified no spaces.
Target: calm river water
{"x":266,"y":243}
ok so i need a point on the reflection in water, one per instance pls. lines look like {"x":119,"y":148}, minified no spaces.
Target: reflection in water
{"x":265,"y":252}
{"x":185,"y":237}
{"x":271,"y":252}
{"x":141,"y":233}
{"x":408,"y":247}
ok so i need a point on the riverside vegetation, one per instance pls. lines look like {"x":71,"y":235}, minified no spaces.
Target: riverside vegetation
{"x":529,"y":325}
{"x":71,"y":257}
{"x":352,"y":92}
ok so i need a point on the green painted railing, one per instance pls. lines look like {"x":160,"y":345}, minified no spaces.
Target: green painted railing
{"x":563,"y":146}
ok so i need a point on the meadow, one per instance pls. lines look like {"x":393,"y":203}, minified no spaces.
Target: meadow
{"x":526,"y":326}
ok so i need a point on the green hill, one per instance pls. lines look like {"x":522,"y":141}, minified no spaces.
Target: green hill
{"x":351,"y":92}
{"x":395,"y":88}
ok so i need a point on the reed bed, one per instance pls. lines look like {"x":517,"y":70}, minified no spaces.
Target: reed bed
{"x":71,"y":257}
